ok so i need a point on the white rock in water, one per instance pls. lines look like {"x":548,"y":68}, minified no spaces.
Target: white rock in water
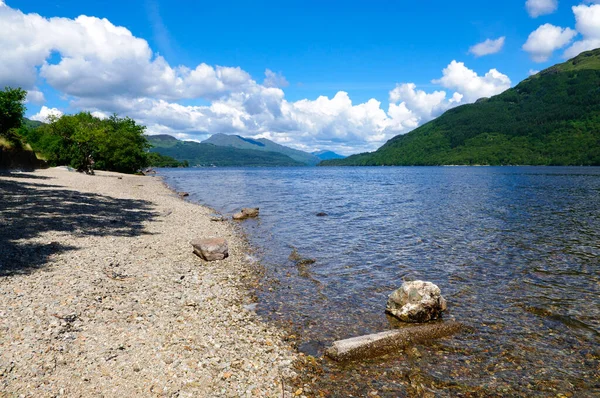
{"x":416,"y":301}
{"x":211,"y":249}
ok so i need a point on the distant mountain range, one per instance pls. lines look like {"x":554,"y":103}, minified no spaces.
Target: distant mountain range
{"x":234,"y":150}
{"x":327,"y":155}
{"x":264,"y":145}
{"x":551,"y":118}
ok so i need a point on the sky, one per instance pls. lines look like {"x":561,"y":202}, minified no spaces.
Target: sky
{"x":314,"y":75}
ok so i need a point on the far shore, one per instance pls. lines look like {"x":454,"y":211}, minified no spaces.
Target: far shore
{"x":101,"y":294}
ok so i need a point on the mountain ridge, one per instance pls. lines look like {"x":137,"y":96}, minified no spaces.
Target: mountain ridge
{"x":261,"y":144}
{"x":551,"y":118}
{"x":206,"y":154}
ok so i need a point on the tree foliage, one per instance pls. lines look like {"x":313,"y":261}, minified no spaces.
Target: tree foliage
{"x":12,"y":109}
{"x":86,"y":142}
{"x":157,"y":160}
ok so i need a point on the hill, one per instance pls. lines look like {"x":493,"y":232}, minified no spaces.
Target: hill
{"x":327,"y":155}
{"x":203,"y":154}
{"x":551,"y":118}
{"x":31,"y":124}
{"x":262,"y":144}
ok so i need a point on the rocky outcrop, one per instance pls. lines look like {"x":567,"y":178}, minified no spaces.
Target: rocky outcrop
{"x":247,"y":212}
{"x":416,"y":301}
{"x":211,"y":249}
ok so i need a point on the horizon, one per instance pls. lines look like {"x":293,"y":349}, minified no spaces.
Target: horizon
{"x":307,"y":80}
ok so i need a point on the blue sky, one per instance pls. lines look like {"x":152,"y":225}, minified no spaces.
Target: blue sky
{"x":361,"y":49}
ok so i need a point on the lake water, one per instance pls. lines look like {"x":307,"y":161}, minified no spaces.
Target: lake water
{"x":515,"y":251}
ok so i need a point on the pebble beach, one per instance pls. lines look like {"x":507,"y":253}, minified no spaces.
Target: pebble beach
{"x":102,"y":295}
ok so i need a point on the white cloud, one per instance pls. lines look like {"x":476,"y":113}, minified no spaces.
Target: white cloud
{"x":542,"y":42}
{"x":105,"y":69}
{"x":535,"y":8}
{"x":533,"y":72}
{"x":100,"y":115}
{"x":587,"y":20}
{"x":472,"y":86}
{"x":45,"y":113}
{"x":273,"y":79}
{"x":487,"y":47}
{"x":36,"y":97}
{"x":421,"y":105}
{"x":588,"y":24}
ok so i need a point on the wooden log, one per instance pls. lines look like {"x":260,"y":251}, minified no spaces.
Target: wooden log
{"x":377,"y":344}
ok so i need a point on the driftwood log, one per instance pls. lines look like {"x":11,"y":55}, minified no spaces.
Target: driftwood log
{"x":377,"y":344}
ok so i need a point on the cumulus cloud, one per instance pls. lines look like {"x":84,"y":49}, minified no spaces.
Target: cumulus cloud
{"x":588,"y":24}
{"x":535,"y":8}
{"x":533,"y":72}
{"x":105,"y":69}
{"x":45,"y":113}
{"x":472,"y":86}
{"x":273,"y":79}
{"x":98,"y":59}
{"x":542,"y":42}
{"x":36,"y":97}
{"x":487,"y":47}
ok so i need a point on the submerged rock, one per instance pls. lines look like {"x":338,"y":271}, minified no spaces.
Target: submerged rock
{"x":416,"y":301}
{"x":211,"y":249}
{"x":374,"y":345}
{"x":321,"y":214}
{"x":247,"y":212}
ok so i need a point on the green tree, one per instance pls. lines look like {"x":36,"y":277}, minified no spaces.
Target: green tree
{"x":86,"y":143}
{"x":12,"y":109}
{"x":122,"y":145}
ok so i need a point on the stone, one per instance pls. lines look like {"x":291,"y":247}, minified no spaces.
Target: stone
{"x":321,"y":214}
{"x":374,"y":345}
{"x":183,"y":194}
{"x":216,"y":217}
{"x":211,"y":249}
{"x":416,"y":301}
{"x":247,"y":212}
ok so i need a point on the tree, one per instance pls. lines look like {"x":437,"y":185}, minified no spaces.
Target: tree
{"x":12,"y":109}
{"x":122,"y":145}
{"x":86,"y":143}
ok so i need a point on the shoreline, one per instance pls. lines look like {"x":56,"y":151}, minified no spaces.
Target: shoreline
{"x":101,"y":294}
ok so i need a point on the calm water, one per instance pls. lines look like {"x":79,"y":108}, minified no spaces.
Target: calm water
{"x":515,"y":250}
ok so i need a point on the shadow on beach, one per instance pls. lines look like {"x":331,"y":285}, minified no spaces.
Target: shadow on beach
{"x":29,"y":209}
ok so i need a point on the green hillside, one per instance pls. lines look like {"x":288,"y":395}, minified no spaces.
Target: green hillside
{"x":551,"y":118}
{"x":202,"y":154}
{"x":262,"y":144}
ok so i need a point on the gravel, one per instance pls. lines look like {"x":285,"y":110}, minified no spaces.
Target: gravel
{"x":101,"y":295}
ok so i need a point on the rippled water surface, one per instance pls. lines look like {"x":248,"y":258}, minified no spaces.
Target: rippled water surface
{"x":515,"y":250}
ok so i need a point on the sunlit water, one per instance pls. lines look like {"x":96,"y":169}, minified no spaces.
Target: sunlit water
{"x":515,"y":250}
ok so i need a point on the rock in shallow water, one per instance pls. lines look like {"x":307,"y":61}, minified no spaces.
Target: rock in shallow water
{"x":416,"y":301}
{"x":247,"y":212}
{"x":211,"y":249}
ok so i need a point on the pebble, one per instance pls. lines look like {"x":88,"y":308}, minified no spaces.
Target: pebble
{"x":114,"y":290}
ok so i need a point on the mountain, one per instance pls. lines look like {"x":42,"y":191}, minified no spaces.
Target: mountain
{"x":31,"y":124}
{"x":262,"y":144}
{"x":327,"y":155}
{"x":202,"y":154}
{"x":551,"y":118}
